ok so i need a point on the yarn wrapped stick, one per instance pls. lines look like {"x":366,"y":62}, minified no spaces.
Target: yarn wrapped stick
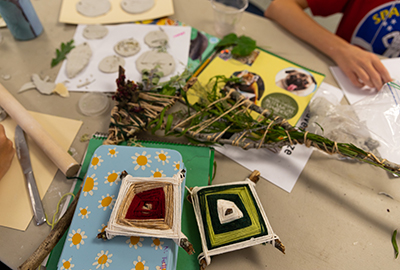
{"x":292,"y":137}
{"x":222,"y":115}
{"x":229,"y":118}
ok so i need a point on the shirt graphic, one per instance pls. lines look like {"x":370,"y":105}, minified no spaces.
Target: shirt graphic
{"x":379,"y":30}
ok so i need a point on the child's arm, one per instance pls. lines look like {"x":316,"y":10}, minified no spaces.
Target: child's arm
{"x":362,"y":67}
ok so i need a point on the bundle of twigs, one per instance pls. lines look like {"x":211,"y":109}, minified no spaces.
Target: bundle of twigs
{"x":225,"y":116}
{"x":135,"y":107}
{"x":221,"y":115}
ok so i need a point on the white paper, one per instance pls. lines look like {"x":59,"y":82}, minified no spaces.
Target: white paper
{"x":283,"y":168}
{"x":353,"y":93}
{"x":179,"y":43}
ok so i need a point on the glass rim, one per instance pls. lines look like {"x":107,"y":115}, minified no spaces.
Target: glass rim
{"x":230,"y":12}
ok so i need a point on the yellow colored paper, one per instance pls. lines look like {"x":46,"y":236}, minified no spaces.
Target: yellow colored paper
{"x":15,"y":206}
{"x":68,"y":13}
{"x":268,"y":91}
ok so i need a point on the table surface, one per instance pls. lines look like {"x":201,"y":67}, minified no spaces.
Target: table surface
{"x":333,"y":219}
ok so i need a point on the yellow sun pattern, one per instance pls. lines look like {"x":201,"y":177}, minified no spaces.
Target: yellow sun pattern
{"x":157,"y":173}
{"x":96,"y":161}
{"x":176,"y":165}
{"x":135,"y":241}
{"x":162,"y":267}
{"x":76,"y":238}
{"x":66,"y":264}
{"x":90,"y":185}
{"x":84,"y":212}
{"x":112,"y":177}
{"x":141,"y":160}
{"x":157,"y":244}
{"x":102,"y":259}
{"x":162,"y":157}
{"x":112,"y":152}
{"x":107,"y":201}
{"x":93,"y":187}
{"x":139,"y":264}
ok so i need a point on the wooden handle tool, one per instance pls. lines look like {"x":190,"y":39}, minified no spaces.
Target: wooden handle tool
{"x":64,"y":161}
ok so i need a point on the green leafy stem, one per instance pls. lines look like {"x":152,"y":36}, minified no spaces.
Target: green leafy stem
{"x":224,"y":116}
{"x":61,"y":53}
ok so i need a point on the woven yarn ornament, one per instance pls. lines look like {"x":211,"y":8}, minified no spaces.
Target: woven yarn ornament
{"x":230,"y":217}
{"x":149,"y":207}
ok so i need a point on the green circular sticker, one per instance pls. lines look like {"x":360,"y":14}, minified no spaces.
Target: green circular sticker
{"x":280,"y":104}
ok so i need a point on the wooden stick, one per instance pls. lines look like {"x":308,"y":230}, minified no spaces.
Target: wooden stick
{"x":37,"y":257}
{"x":255,"y":176}
{"x":64,"y":161}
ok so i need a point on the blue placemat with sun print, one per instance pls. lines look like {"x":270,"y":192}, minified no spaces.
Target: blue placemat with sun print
{"x":82,"y":250}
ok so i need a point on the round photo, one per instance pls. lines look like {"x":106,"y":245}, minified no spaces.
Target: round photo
{"x":296,"y":80}
{"x":252,"y":85}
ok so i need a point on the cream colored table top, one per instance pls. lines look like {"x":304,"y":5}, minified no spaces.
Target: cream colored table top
{"x":333,"y":219}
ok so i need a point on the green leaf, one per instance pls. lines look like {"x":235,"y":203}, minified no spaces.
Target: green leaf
{"x":168,"y":125}
{"x":228,"y":40}
{"x":244,"y":47}
{"x":62,"y":54}
{"x":168,"y":90}
{"x":394,"y":243}
{"x":322,"y":129}
{"x":160,"y":121}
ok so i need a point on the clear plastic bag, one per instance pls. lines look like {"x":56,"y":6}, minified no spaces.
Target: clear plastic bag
{"x":373,"y":123}
{"x":381,"y":113}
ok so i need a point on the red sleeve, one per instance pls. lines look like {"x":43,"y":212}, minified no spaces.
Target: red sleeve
{"x":327,"y":7}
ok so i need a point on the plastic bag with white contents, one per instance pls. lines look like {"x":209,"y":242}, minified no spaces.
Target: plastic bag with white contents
{"x":381,"y":113}
{"x":372,"y":124}
{"x":339,"y":123}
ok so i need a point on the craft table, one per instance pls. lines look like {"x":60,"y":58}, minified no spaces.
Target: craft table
{"x":334,"y":218}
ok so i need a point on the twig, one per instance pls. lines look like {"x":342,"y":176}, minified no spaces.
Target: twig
{"x":34,"y":261}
